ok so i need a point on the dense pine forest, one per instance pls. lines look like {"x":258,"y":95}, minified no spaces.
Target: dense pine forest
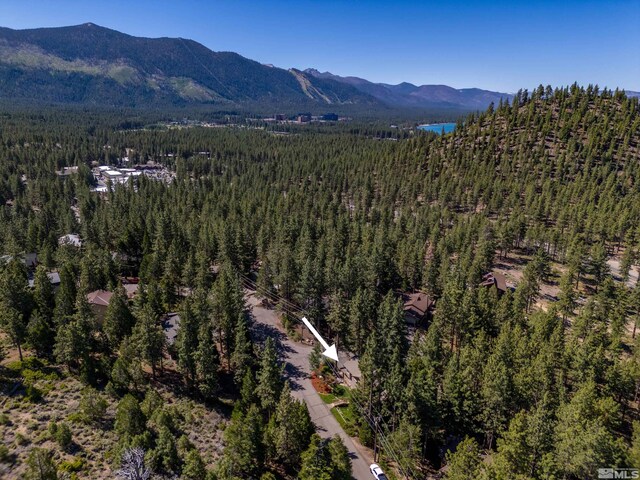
{"x":334,"y":221}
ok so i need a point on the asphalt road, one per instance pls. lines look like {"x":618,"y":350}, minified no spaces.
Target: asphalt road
{"x":298,"y":370}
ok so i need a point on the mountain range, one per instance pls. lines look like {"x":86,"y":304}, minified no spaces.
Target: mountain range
{"x":89,"y":64}
{"x":92,"y":65}
{"x":423,"y":96}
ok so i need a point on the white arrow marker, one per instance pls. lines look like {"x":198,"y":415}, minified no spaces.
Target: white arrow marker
{"x":329,"y":351}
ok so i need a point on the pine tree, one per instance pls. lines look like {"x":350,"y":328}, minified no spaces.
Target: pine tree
{"x":340,"y":459}
{"x":362,"y":317}
{"x":242,"y":358}
{"x":40,"y":465}
{"x":325,"y":460}
{"x":65,"y":296}
{"x":270,"y":382}
{"x":243,"y":446}
{"x":43,"y":293}
{"x":207,"y":362}
{"x":634,"y":451}
{"x":187,"y":341}
{"x":584,"y":436}
{"x":194,"y":467}
{"x":166,"y":452}
{"x":529,"y":289}
{"x":567,"y":296}
{"x":248,"y":391}
{"x":293,"y":428}
{"x":465,"y":462}
{"x":316,"y":462}
{"x":227,"y":306}
{"x":74,"y":341}
{"x":126,"y":373}
{"x":40,"y":335}
{"x":129,"y":418}
{"x":118,"y":320}
{"x":598,"y":264}
{"x":148,"y":338}
{"x":15,"y":303}
{"x":14,"y":326}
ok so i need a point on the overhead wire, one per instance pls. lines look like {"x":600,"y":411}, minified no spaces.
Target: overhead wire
{"x":377,"y":423}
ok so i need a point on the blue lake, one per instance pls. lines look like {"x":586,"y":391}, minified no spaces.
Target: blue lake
{"x":438,"y":127}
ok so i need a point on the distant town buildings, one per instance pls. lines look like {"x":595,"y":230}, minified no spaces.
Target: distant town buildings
{"x":105,"y":174}
{"x":67,"y":171}
{"x":302,"y":118}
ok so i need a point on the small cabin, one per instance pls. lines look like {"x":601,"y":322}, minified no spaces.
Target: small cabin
{"x":495,"y":279}
{"x":417,"y":308}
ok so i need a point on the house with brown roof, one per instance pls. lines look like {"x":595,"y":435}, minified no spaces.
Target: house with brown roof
{"x":495,"y":279}
{"x":99,"y":301}
{"x":417,"y":308}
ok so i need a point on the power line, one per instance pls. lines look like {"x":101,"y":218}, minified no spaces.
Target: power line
{"x":376,"y":425}
{"x":299,"y":310}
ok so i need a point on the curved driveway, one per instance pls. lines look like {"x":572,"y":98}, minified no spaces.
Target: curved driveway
{"x":298,"y":370}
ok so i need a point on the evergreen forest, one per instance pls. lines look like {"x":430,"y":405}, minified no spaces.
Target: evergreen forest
{"x":540,"y":380}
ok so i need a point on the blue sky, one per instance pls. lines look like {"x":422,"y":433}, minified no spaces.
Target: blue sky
{"x":498,"y":45}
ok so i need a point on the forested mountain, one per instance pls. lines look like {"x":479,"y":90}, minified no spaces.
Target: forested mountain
{"x":95,"y":65}
{"x":89,"y":64}
{"x":335,"y":221}
{"x":423,"y":96}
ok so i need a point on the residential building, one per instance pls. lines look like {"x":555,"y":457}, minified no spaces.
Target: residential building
{"x":99,"y":301}
{"x":417,"y":308}
{"x":495,"y":279}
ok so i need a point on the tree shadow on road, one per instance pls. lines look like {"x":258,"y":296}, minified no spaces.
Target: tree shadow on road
{"x":293,"y":373}
{"x":262,"y":331}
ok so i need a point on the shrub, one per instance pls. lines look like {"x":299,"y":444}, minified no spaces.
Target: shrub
{"x":22,"y":440}
{"x":185,"y":445}
{"x":366,"y":435}
{"x":40,"y":465}
{"x":194,"y":467}
{"x":33,"y":394}
{"x":73,"y":465}
{"x":152,"y":401}
{"x":5,"y":456}
{"x":63,"y":436}
{"x":92,"y":405}
{"x":4,"y":419}
{"x":339,"y":390}
{"x":129,"y":418}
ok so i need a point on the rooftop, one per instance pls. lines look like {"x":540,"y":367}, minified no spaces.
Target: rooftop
{"x":54,"y":279}
{"x":99,"y":297}
{"x":170,"y":324}
{"x":417,"y":302}
{"x":495,"y":278}
{"x":70,"y":239}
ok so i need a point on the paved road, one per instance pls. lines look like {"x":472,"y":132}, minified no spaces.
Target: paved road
{"x":297,"y":369}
